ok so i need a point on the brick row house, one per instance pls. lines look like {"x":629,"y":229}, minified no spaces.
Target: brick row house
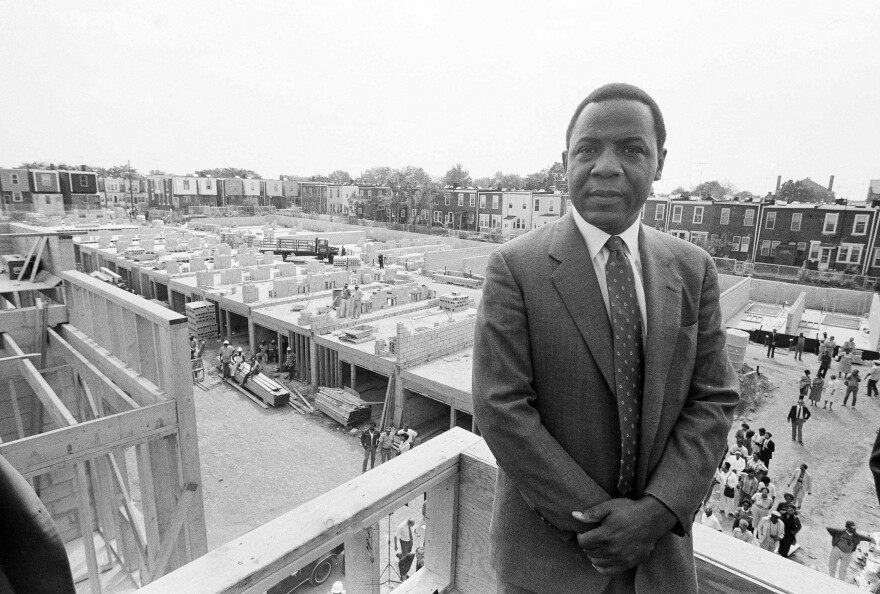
{"x":490,"y":211}
{"x":116,"y":191}
{"x":79,"y":189}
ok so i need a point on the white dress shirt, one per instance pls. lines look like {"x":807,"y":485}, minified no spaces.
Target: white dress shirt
{"x":595,"y":239}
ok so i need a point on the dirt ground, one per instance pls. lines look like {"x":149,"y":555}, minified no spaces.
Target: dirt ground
{"x":837,"y":445}
{"x":260,"y":463}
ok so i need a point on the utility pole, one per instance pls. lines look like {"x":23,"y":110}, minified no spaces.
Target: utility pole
{"x":130,"y":192}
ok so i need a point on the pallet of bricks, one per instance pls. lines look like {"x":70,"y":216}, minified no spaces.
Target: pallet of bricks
{"x":201,"y":319}
{"x":343,"y":406}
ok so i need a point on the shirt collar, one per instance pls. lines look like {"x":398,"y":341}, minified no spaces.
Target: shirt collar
{"x":595,"y":237}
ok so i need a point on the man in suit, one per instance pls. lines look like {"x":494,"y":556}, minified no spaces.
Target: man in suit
{"x":797,"y":416}
{"x":800,"y":483}
{"x":601,"y":380}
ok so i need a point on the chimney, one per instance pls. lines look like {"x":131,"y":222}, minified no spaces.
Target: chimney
{"x":830,"y":183}
{"x":778,"y":182}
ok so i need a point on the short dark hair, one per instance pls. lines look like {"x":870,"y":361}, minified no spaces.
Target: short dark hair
{"x":625,"y":92}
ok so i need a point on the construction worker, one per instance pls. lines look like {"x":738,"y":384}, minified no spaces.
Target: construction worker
{"x":226,"y":352}
{"x":290,"y":364}
{"x":254,"y":370}
{"x":237,"y":359}
{"x":356,"y":298}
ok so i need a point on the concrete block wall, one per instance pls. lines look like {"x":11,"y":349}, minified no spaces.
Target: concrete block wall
{"x":205,"y":278}
{"x":196,"y":263}
{"x":286,"y":269}
{"x":224,"y":249}
{"x":250,"y":293}
{"x":844,"y":301}
{"x":316,"y":282}
{"x":475,"y":264}
{"x":259,"y":273}
{"x":454,"y":259}
{"x":414,"y":348}
{"x":735,"y":298}
{"x":245,"y":260}
{"x":172,"y":267}
{"x":874,"y":321}
{"x":230,"y":276}
{"x":793,"y":318}
{"x":330,"y":322}
{"x":222,"y":261}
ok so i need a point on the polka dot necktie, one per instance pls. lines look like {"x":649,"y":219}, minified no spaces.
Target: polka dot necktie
{"x":626,"y":326}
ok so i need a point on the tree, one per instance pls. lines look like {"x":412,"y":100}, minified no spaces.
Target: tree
{"x":744,"y":195}
{"x":121,"y":171}
{"x":536,"y":181}
{"x":682,"y":192}
{"x":714,"y":189}
{"x":340,"y":177}
{"x":797,"y":191}
{"x":159,"y":172}
{"x":229,"y":172}
{"x":457,"y":177}
{"x":377,"y":176}
{"x":720,"y":247}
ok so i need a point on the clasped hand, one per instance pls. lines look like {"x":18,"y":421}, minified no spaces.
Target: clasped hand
{"x":621,"y":533}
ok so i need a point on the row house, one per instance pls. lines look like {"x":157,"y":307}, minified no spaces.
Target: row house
{"x":290,"y":191}
{"x":313,"y":196}
{"x":547,"y":207}
{"x":46,"y":194}
{"x":159,"y":191}
{"x":79,"y":189}
{"x":15,"y":190}
{"x":727,"y":227}
{"x":491,"y":210}
{"x":117,"y":191}
{"x":517,"y":210}
{"x":821,"y":236}
{"x":456,"y":208}
{"x":273,"y":193}
{"x":372,"y":202}
{"x":340,"y":198}
{"x":231,"y":192}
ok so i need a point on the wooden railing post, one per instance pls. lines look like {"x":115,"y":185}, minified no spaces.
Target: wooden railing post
{"x":362,"y":564}
{"x":441,"y":531}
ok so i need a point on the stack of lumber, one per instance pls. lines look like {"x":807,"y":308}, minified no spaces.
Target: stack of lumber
{"x":263,"y":387}
{"x":343,"y":406}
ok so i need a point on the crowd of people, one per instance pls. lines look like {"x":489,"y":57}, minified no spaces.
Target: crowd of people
{"x":388,"y":443}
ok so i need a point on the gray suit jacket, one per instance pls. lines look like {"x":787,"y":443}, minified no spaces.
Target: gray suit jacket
{"x":543,"y":402}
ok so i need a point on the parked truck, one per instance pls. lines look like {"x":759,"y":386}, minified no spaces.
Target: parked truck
{"x":318,"y":247}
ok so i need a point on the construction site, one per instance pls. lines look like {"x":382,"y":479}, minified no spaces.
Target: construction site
{"x":162,"y":475}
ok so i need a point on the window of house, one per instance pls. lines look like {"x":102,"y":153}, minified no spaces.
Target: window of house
{"x":207,"y":184}
{"x":496,"y":221}
{"x":725,"y":216}
{"x":860,"y":225}
{"x":449,"y":217}
{"x":676,"y":213}
{"x":460,"y":199}
{"x":801,"y":249}
{"x":770,"y":223}
{"x":773,"y":246}
{"x":482,"y":201}
{"x":796,"y":219}
{"x":473,"y":200}
{"x":734,"y":243}
{"x":186,"y":184}
{"x":749,"y":218}
{"x":679,"y":234}
{"x":744,"y":246}
{"x":446,"y":200}
{"x":495,"y":202}
{"x":13,"y":178}
{"x":537,"y":204}
{"x":850,"y":253}
{"x":876,"y":261}
{"x":83,"y":181}
{"x":17,"y":197}
{"x":45,"y":179}
{"x":659,"y":212}
{"x":48,"y":199}
{"x":484,"y":220}
{"x":438,"y":216}
{"x":698,"y":237}
{"x":830,"y":225}
{"x":550,"y":207}
{"x":765,"y":247}
{"x":698,"y":215}
{"x":814,"y":250}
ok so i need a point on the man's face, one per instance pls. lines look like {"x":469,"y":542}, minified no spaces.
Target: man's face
{"x":611,"y":162}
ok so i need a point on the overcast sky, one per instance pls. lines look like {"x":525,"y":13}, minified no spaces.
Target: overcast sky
{"x":749,"y":90}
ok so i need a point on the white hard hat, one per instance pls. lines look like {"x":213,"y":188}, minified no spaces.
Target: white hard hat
{"x":225,"y":342}
{"x":337,"y":588}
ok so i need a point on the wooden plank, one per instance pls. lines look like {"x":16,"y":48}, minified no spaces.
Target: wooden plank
{"x":173,"y":530}
{"x":362,"y":565}
{"x":118,"y":399}
{"x":142,"y":390}
{"x":148,"y":503}
{"x":155,"y":313}
{"x":40,"y":453}
{"x":27,"y":259}
{"x":40,"y":386}
{"x":274,"y":550}
{"x":422,"y":582}
{"x":42,"y":247}
{"x":131,"y":348}
{"x":16,"y":411}
{"x":86,"y":527}
{"x":441,"y":532}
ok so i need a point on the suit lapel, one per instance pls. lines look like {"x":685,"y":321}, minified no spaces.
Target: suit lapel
{"x":663,"y":301}
{"x":575,"y":280}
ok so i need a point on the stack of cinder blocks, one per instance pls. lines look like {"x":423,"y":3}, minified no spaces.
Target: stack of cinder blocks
{"x":202,"y":319}
{"x":419,"y":347}
{"x":454,"y":302}
{"x":250,"y":293}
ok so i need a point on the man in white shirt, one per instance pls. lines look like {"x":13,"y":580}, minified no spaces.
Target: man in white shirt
{"x":710,"y":520}
{"x":404,"y":535}
{"x":736,"y":461}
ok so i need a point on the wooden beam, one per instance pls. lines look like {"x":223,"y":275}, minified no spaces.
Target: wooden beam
{"x":87,"y":528}
{"x":28,"y":258}
{"x":173,"y":530}
{"x":17,"y":357}
{"x":82,"y":441}
{"x":16,"y":411}
{"x":26,"y":317}
{"x":441,"y":532}
{"x":362,"y":565}
{"x":42,"y":242}
{"x":118,"y":399}
{"x":142,"y":390}
{"x":41,"y":387}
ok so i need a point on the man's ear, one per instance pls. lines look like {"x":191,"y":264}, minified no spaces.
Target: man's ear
{"x":565,"y":159}
{"x":661,"y":159}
